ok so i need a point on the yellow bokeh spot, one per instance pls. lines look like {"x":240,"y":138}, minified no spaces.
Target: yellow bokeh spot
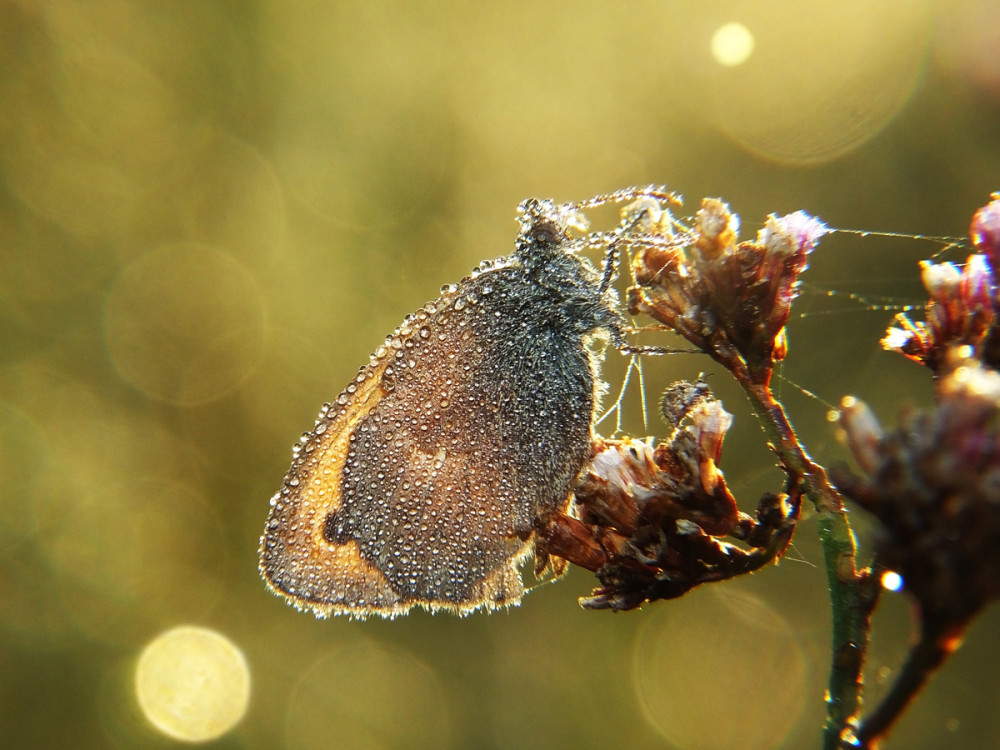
{"x":193,"y":684}
{"x":732,"y":44}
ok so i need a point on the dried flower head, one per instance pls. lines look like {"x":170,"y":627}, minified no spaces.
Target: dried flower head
{"x":652,"y":522}
{"x":962,"y":310}
{"x":730,"y":299}
{"x":933,"y":483}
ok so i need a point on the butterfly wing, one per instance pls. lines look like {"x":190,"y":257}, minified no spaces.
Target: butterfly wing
{"x":401,"y":494}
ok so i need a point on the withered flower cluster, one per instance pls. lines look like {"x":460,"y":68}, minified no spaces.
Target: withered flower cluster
{"x":962,"y":310}
{"x":731,"y":299}
{"x":653,"y":522}
{"x":933,"y":483}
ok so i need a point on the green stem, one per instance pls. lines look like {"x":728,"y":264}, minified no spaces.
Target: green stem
{"x":851,"y":608}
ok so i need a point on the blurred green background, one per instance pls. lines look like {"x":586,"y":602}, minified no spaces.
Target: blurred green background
{"x":211,"y":212}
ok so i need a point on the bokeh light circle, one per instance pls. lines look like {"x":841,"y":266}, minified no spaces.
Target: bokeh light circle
{"x":193,"y":684}
{"x":719,"y":671}
{"x":732,"y":44}
{"x":822,"y":80}
{"x":185,"y":324}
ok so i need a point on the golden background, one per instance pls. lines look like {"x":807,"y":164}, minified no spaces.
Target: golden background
{"x":211,"y":212}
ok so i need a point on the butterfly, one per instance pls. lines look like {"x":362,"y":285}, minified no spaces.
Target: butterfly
{"x":423,"y":482}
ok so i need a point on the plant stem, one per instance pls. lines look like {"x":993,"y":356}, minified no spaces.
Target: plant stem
{"x":921,"y":663}
{"x":851,"y":609}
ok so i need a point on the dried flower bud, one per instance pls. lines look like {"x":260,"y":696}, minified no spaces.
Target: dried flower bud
{"x":717,"y":228}
{"x":862,"y":432}
{"x":787,"y":241}
{"x":941,"y":280}
{"x":731,"y":300}
{"x":985,"y":231}
{"x":652,"y":521}
{"x":933,"y":483}
{"x":793,"y":234}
